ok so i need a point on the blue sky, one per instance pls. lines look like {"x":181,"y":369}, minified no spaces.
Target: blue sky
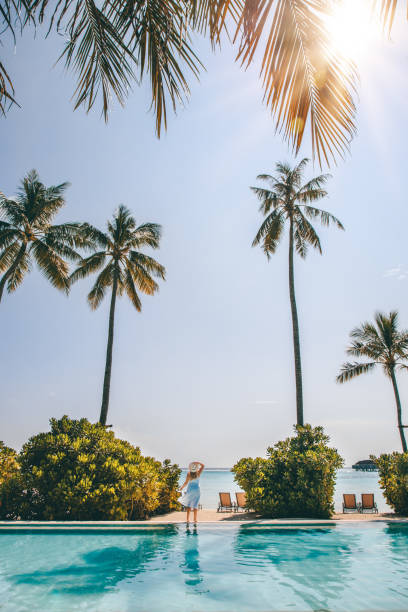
{"x":206,"y":371}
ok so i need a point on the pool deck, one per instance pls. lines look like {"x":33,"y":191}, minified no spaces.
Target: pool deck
{"x":206,"y":517}
{"x":210,"y":516}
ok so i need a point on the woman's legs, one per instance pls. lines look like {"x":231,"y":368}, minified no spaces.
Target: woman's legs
{"x":188,"y":514}
{"x":195,"y":514}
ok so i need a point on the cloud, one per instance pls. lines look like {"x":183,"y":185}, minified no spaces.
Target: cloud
{"x":400,"y":272}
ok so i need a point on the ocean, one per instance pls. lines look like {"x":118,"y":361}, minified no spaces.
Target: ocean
{"x":214,"y":480}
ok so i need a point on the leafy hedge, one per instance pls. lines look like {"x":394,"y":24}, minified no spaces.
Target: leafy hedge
{"x":80,"y":471}
{"x":296,"y":479}
{"x":393,"y":478}
{"x":8,"y":463}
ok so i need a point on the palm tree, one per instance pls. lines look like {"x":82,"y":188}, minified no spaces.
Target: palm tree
{"x":26,"y":233}
{"x":287,"y":200}
{"x":123,"y":269}
{"x":112,"y":44}
{"x":383,"y":345}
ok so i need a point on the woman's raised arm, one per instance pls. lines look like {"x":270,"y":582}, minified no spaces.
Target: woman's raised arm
{"x":201,"y":468}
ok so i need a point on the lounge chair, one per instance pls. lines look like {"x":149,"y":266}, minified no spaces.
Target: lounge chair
{"x":225,"y":505}
{"x":349,"y":503}
{"x":368,"y":504}
{"x":241,"y":501}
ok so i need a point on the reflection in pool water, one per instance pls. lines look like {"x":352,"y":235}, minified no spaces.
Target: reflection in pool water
{"x":190,"y":565}
{"x":211,"y":569}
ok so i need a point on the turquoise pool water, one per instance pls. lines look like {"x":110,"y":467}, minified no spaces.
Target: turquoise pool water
{"x":211,"y":569}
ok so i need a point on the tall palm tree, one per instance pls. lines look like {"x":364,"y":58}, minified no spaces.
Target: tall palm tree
{"x":123,"y":269}
{"x":287,"y":201}
{"x":383,"y":344}
{"x":26,"y":233}
{"x":112,"y":44}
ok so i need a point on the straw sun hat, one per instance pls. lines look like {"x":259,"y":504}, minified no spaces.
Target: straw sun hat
{"x":193,"y":467}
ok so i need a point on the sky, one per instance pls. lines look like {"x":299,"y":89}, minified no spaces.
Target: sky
{"x":206,"y":370}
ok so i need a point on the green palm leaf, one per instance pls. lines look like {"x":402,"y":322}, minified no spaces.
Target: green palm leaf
{"x":131,"y":291}
{"x":8,"y":255}
{"x":102,"y":283}
{"x":88,"y":265}
{"x":351,"y":370}
{"x":26,"y":225}
{"x":54,"y":268}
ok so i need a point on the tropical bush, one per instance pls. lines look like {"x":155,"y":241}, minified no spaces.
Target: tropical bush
{"x":8,"y":463}
{"x":296,"y":479}
{"x":9,"y":472}
{"x":81,"y":471}
{"x":393,"y":478}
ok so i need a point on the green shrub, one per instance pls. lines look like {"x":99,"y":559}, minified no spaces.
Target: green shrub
{"x":393,"y":478}
{"x":8,"y":463}
{"x":296,"y":479}
{"x":80,"y":471}
{"x":9,"y":479}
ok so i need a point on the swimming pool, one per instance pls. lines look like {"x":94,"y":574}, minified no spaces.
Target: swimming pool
{"x":214,"y":568}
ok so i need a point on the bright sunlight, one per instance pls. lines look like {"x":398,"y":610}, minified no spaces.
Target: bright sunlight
{"x":354,"y":29}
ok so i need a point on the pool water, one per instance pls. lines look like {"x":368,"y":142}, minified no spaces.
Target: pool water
{"x":220,"y":568}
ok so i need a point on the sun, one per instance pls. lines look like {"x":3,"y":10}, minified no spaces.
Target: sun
{"x":353,"y":29}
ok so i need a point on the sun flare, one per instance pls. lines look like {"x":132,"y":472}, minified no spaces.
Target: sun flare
{"x":353,"y":29}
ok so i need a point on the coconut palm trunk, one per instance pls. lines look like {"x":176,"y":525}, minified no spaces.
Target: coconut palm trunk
{"x":108,"y":365}
{"x":398,"y":402}
{"x":11,"y":269}
{"x":295,"y":328}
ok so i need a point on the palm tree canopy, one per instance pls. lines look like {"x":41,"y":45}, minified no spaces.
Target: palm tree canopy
{"x":117,"y":258}
{"x":381,"y":343}
{"x":288,"y":198}
{"x":26,"y":233}
{"x":112,"y":44}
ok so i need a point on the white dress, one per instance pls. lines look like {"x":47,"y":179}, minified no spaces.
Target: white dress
{"x":191,"y":498}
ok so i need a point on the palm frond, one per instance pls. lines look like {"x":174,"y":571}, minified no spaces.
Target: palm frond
{"x":14,"y":14}
{"x":141,"y":277}
{"x":54,"y":268}
{"x":131,"y":292}
{"x":351,"y":370}
{"x":88,"y":265}
{"x":306,"y":230}
{"x":98,"y":54}
{"x":301,"y":245}
{"x":148,"y":263}
{"x":148,"y":234}
{"x":304,"y":79}
{"x":12,"y":210}
{"x":90,"y":237}
{"x":401,"y":344}
{"x":269,"y":199}
{"x":161,"y":40}
{"x":8,"y":255}
{"x":7,"y":236}
{"x":62,"y":249}
{"x":207,"y":15}
{"x":7,"y":98}
{"x":51,"y":200}
{"x":68,"y":233}
{"x":387,"y":13}
{"x":102,"y":283}
{"x":270,"y":230}
{"x":371,"y":349}
{"x":16,"y":277}
{"x":325,"y":217}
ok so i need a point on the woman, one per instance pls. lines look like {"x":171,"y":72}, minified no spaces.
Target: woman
{"x":191,"y":497}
